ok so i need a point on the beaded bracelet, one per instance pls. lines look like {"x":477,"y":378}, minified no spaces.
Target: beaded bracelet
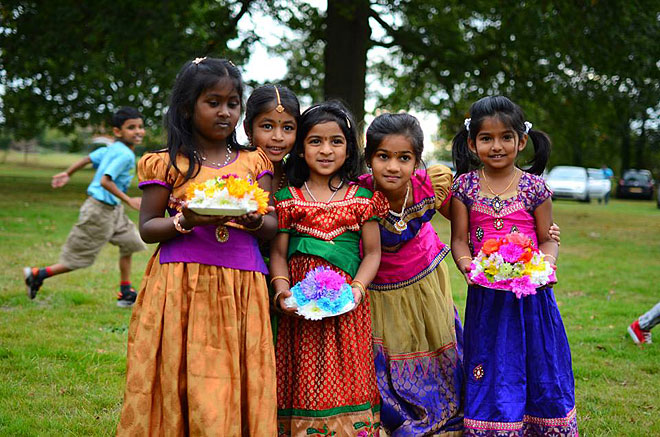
{"x":177,"y":224}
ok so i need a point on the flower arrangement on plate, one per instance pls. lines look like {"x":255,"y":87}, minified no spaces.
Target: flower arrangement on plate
{"x":226,"y":195}
{"x":513,"y":264}
{"x":322,"y":293}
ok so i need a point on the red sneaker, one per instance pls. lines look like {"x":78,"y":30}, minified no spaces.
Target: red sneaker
{"x":638,"y":335}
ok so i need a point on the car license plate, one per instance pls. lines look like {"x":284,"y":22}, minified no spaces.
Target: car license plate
{"x":635,"y":190}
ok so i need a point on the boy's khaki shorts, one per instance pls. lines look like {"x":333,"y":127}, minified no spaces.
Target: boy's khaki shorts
{"x":98,"y":224}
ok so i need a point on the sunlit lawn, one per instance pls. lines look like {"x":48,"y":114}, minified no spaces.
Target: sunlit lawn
{"x":62,"y":356}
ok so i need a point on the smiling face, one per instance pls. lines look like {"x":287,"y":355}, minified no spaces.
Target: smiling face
{"x":393,"y":163}
{"x":325,"y":149}
{"x":274,"y":133}
{"x":497,"y":145}
{"x":217,"y":111}
{"x":131,"y":132}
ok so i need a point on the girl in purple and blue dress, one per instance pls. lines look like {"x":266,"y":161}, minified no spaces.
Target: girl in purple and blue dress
{"x":519,"y":379}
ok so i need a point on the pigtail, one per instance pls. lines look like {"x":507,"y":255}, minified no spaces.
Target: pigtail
{"x":464,"y":159}
{"x":542,"y":146}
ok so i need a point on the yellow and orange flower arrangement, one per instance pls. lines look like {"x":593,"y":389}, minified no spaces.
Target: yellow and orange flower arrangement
{"x":228,"y":192}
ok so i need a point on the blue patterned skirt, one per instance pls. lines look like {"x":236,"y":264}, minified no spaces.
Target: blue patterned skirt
{"x":519,"y":378}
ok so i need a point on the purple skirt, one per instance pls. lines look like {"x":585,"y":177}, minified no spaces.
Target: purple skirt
{"x":519,"y":377}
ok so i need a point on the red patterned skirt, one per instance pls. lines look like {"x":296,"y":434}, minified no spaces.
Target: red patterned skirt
{"x":326,"y":380}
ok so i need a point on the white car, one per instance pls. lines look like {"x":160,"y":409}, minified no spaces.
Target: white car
{"x":599,"y":185}
{"x":567,"y":182}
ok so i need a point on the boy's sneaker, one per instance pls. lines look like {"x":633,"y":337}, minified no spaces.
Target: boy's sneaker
{"x":126,"y":299}
{"x":32,"y":281}
{"x":639,"y":335}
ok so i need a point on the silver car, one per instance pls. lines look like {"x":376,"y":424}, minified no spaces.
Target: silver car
{"x":568,"y":182}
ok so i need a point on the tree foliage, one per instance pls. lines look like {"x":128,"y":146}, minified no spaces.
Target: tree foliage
{"x":69,"y":63}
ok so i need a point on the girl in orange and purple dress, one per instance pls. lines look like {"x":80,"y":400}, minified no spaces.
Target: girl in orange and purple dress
{"x":326,"y":384}
{"x":519,"y":378}
{"x":200,"y":350}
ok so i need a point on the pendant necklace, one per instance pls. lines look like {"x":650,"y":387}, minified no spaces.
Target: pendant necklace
{"x":496,"y":202}
{"x":341,"y":184}
{"x":401,"y":225}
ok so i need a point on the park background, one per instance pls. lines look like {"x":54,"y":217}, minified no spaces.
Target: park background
{"x":587,"y":72}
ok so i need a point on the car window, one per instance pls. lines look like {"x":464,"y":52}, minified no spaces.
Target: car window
{"x":567,"y":173}
{"x":596,"y":174}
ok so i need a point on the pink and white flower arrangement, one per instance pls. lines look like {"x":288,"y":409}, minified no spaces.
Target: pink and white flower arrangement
{"x":513,"y":264}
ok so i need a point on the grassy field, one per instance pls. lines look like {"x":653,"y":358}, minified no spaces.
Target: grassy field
{"x":62,"y":356}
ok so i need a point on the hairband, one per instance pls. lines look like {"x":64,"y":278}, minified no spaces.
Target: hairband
{"x":197,"y":61}
{"x":466,"y":123}
{"x":279,"y":108}
{"x":348,"y":122}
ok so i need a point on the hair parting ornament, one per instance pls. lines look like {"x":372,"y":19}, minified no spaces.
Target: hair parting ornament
{"x":279,"y":108}
{"x":466,"y":123}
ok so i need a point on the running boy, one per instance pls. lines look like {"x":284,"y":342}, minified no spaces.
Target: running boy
{"x":102,"y":218}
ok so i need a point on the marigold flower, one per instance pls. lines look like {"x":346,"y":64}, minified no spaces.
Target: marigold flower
{"x":490,"y":246}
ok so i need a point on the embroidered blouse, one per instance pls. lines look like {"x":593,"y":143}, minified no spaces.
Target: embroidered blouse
{"x":329,"y":230}
{"x":241,"y":250}
{"x":488,"y":219}
{"x":411,"y":254}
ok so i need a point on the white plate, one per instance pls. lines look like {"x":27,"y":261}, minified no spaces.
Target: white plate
{"x":219,"y":211}
{"x":313,"y":312}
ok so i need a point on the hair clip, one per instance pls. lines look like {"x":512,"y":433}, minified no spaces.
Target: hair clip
{"x":466,"y":123}
{"x":279,"y":108}
{"x":231,"y":63}
{"x":197,"y":61}
{"x":528,"y":126}
{"x":348,"y":123}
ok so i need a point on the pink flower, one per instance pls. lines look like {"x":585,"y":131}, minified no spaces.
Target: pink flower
{"x":510,"y":252}
{"x":329,"y":280}
{"x":522,"y":286}
{"x":519,"y":239}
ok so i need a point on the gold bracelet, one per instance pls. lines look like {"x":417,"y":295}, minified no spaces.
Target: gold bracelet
{"x":551,"y":256}
{"x":464,"y":257}
{"x":177,"y":224}
{"x":261,"y":223}
{"x":277,"y":295}
{"x":360,"y":286}
{"x":275,"y":278}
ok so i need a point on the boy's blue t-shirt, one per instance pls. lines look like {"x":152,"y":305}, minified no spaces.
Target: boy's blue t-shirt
{"x":117,"y":161}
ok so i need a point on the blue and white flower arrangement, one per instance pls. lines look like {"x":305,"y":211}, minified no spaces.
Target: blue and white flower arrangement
{"x":322,"y":293}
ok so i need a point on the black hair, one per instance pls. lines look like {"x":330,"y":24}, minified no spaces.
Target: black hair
{"x":193,"y":78}
{"x":296,"y":168}
{"x":124,"y":113}
{"x":512,"y":116}
{"x":394,"y":124}
{"x":264,"y":99}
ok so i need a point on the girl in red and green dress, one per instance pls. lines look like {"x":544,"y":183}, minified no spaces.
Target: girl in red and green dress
{"x":326,"y":382}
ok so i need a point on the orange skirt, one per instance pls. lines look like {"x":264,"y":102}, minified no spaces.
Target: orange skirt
{"x":200,"y":354}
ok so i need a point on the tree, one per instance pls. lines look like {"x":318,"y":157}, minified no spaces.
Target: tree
{"x":70,"y":63}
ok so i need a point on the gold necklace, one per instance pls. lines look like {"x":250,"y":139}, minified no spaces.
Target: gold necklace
{"x":401,"y":225}
{"x":496,"y":201}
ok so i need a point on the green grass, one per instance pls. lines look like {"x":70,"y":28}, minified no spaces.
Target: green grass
{"x":62,"y":356}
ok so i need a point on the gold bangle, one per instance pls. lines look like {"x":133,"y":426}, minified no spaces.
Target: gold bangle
{"x":463,"y":257}
{"x":275,"y":278}
{"x":177,"y":224}
{"x":551,"y":256}
{"x":261,"y":223}
{"x":360,"y":286}
{"x":277,"y":295}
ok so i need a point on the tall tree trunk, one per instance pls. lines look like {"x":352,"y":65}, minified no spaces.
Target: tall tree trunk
{"x":625,"y":145}
{"x":347,"y":36}
{"x":640,"y":146}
